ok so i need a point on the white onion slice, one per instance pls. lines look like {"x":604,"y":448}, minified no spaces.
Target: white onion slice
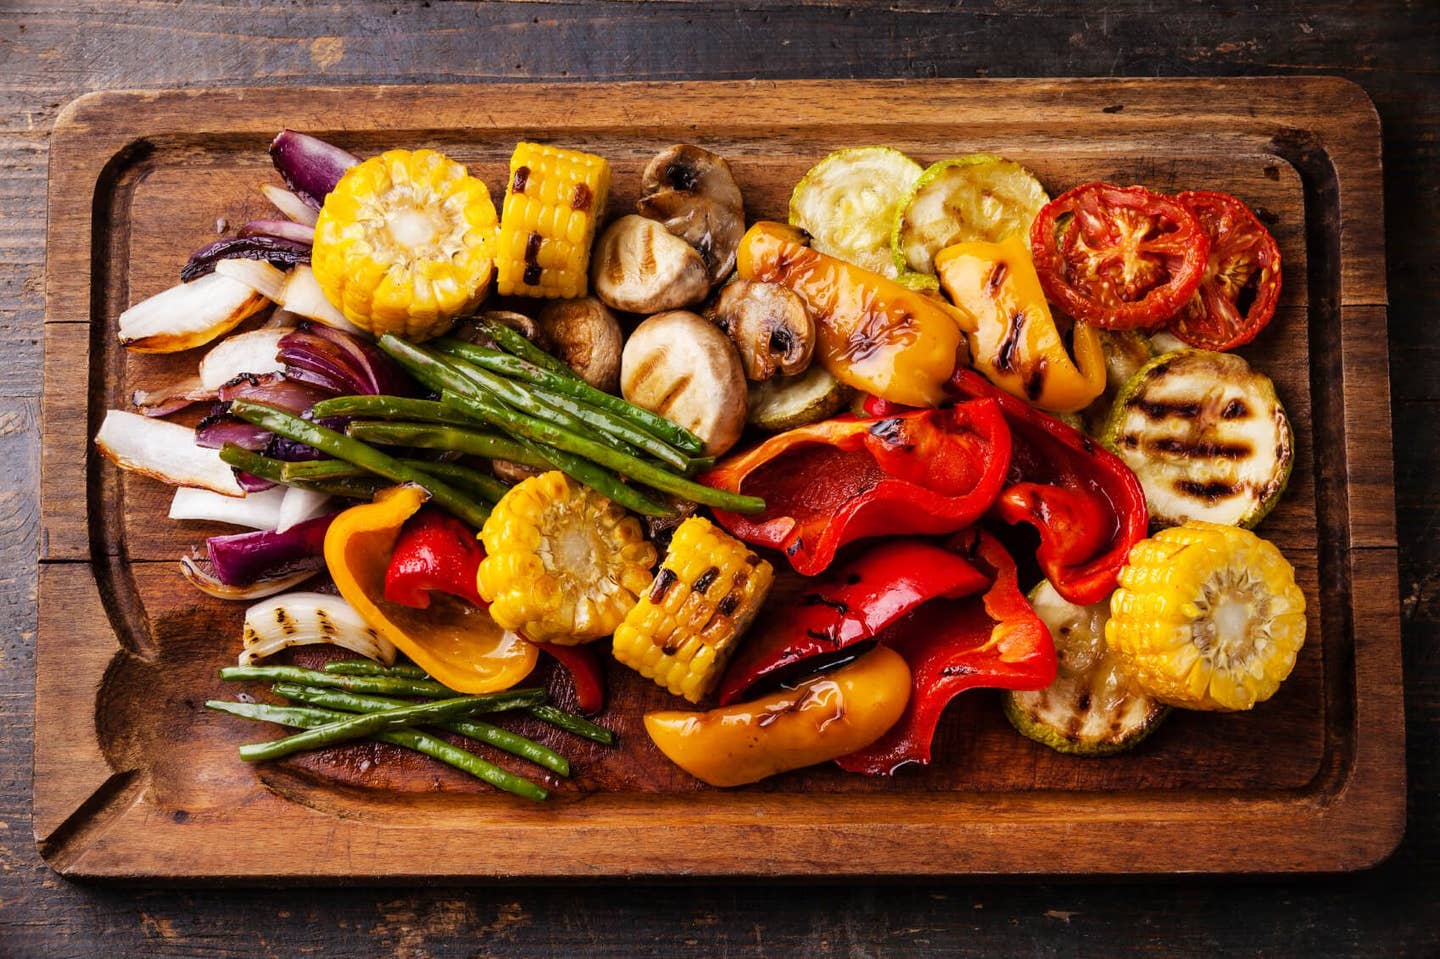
{"x":264,"y":278}
{"x":303,"y":619}
{"x":298,"y":505}
{"x":188,"y":315}
{"x":303,"y":295}
{"x":252,"y":352}
{"x":289,"y":204}
{"x":261,"y":510}
{"x":281,"y":318}
{"x":165,"y":451}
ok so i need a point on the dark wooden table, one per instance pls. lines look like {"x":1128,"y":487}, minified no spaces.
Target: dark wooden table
{"x":51,"y":52}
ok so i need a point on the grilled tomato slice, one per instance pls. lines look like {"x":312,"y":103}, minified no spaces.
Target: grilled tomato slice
{"x":1119,"y":258}
{"x":1241,"y":284}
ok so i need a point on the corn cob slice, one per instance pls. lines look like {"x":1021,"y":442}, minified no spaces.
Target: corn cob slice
{"x":404,"y":243}
{"x":563,"y":564}
{"x":547,"y":222}
{"x":707,"y":593}
{"x":1207,"y":616}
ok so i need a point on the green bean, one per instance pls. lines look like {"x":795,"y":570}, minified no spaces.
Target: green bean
{"x":432,"y":437}
{"x":252,"y":463}
{"x":615,"y":427}
{"x":351,"y":450}
{"x":384,"y":685}
{"x":569,"y":722}
{"x":387,"y":408}
{"x":359,"y":727}
{"x":471,"y":480}
{"x":524,"y":399}
{"x":368,"y":667}
{"x":503,"y":739}
{"x":308,"y":470}
{"x":432,"y":746}
{"x":516,"y":343}
{"x":539,"y":431}
{"x":358,"y":487}
{"x":517,"y":368}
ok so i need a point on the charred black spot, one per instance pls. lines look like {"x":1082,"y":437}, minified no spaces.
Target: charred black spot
{"x":815,"y":599}
{"x":1035,"y":382}
{"x":1084,"y":701}
{"x":521,"y":177}
{"x":682,"y":176}
{"x":532,"y":274}
{"x":996,"y":277}
{"x":705,"y":579}
{"x":959,"y":669}
{"x":728,"y":605}
{"x":1005,"y":356}
{"x":1087,"y":444}
{"x":582,"y":197}
{"x":1159,"y":411}
{"x":1235,"y":409}
{"x":532,"y":247}
{"x":795,"y":547}
{"x":1201,"y":448}
{"x":781,"y":341}
{"x":663,"y":581}
{"x":890,"y":429}
{"x":1208,"y":491}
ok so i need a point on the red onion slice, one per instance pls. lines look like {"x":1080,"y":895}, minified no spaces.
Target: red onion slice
{"x":310,"y":166}
{"x":280,"y":230}
{"x":270,"y":248}
{"x":240,"y":559}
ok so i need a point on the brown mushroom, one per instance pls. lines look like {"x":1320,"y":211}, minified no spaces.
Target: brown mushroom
{"x":640,"y":267}
{"x":678,"y":365}
{"x":768,"y":325}
{"x":693,"y":193}
{"x":690,"y":169}
{"x":584,"y":334}
{"x":519,"y":322}
{"x":512,"y":472}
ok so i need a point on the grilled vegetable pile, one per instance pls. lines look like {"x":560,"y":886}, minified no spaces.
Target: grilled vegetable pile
{"x":760,"y":464}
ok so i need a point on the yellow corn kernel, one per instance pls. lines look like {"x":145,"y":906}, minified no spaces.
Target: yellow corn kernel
{"x":404,"y":243}
{"x":1207,"y":617}
{"x":552,"y":203}
{"x":563,"y":564}
{"x":707,"y":593}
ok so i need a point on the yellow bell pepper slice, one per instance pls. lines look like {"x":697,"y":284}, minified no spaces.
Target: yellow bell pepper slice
{"x":824,"y":717}
{"x":873,"y":333}
{"x":455,"y":642}
{"x":1014,"y":340}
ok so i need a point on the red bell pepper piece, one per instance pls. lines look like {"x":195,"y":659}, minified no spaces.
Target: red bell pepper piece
{"x":991,"y":641}
{"x":850,"y":604}
{"x":828,"y":484}
{"x":435,"y":551}
{"x":1087,"y":504}
{"x":585,"y":674}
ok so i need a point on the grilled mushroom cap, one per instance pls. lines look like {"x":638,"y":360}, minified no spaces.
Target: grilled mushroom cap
{"x":678,"y":365}
{"x":640,"y":267}
{"x":768,"y":325}
{"x":693,"y":192}
{"x":519,"y":322}
{"x":688,"y":168}
{"x":584,"y":334}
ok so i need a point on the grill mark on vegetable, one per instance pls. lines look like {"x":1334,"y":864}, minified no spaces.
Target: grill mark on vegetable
{"x":1234,"y":410}
{"x":795,"y":547}
{"x":996,"y":277}
{"x":890,"y":430}
{"x":521,"y":177}
{"x":663,"y":581}
{"x":582,"y":197}
{"x":532,"y":274}
{"x":676,"y":388}
{"x":1212,"y":491}
{"x":1159,"y":410}
{"x":1201,"y":449}
{"x":532,"y":247}
{"x":794,"y":707}
{"x":283,"y":620}
{"x":815,"y":599}
{"x":728,"y":605}
{"x":1035,"y":382}
{"x":706,"y":579}
{"x":1005,"y":355}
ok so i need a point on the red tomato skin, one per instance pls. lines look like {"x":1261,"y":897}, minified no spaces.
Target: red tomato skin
{"x":1208,"y":321}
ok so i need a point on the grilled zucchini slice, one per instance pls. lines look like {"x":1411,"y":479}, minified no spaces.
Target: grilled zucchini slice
{"x":1125,"y":352}
{"x":976,"y":197}
{"x":848,"y":203}
{"x":785,"y":402}
{"x":1207,"y":437}
{"x":1093,"y":708}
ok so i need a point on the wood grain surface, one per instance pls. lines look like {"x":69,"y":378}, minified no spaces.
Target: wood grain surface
{"x":1313,"y":781}
{"x":51,"y":52}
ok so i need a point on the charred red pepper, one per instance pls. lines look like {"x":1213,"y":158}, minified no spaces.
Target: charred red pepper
{"x":849,"y":604}
{"x":585,"y":673}
{"x":951,"y":645}
{"x":435,"y":551}
{"x":1086,"y":504}
{"x":825,"y":485}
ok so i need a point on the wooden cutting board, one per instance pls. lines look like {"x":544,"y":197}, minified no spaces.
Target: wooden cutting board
{"x":133,"y":778}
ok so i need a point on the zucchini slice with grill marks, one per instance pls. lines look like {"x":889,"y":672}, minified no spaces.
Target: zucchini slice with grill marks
{"x":1093,"y":708}
{"x":1207,"y":437}
{"x":848,"y":203}
{"x":785,"y":402}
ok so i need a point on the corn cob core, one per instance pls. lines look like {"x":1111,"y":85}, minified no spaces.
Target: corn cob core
{"x":404,"y":243}
{"x":1207,"y":617}
{"x":563,"y":564}
{"x":552,"y":202}
{"x":682,"y":632}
